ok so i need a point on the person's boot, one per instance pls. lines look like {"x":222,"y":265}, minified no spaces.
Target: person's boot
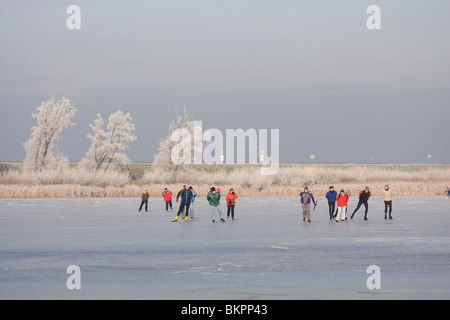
{"x":186,"y":219}
{"x":175,"y":219}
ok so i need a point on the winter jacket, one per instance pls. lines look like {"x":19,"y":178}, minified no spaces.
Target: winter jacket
{"x":387,"y":195}
{"x":306,"y":197}
{"x":167,"y":196}
{"x":193,"y":198}
{"x":231,"y":198}
{"x":213,"y":199}
{"x":186,"y":195}
{"x":364,"y":196}
{"x":342,"y":201}
{"x":145,"y":196}
{"x":331,"y":196}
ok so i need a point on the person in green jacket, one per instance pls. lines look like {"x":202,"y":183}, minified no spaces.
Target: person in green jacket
{"x":213,"y":198}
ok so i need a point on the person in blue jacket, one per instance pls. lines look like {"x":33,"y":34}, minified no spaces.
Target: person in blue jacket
{"x":191,"y":207}
{"x":331,"y":197}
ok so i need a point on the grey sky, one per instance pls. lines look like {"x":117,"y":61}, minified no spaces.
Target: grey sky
{"x":309,"y":68}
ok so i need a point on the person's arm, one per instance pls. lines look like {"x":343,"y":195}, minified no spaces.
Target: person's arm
{"x":314,"y":200}
{"x":179,"y":194}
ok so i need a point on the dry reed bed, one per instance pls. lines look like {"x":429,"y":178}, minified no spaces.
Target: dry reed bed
{"x":75,"y":182}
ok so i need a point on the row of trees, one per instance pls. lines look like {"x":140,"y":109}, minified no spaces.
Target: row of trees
{"x":54,"y":115}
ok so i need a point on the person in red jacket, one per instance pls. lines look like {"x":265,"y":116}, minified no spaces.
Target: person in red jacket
{"x":231,"y":202}
{"x":167,"y":194}
{"x":342,"y":203}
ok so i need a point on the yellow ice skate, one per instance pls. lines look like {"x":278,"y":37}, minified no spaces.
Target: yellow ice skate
{"x":176,"y":219}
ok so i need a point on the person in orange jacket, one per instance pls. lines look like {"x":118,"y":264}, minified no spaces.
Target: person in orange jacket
{"x":167,"y":195}
{"x":342,"y":203}
{"x":231,"y":202}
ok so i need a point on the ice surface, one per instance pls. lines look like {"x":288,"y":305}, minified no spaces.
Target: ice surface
{"x":266,"y":253}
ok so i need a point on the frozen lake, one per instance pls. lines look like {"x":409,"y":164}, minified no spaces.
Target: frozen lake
{"x":266,"y":253}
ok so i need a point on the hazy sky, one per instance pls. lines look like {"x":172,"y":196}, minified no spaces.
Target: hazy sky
{"x":311,"y":69}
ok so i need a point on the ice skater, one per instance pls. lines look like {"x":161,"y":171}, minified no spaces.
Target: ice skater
{"x":331,"y":197}
{"x":167,"y":195}
{"x":364,"y":196}
{"x":191,"y":207}
{"x":342,"y":203}
{"x":231,"y":202}
{"x":186,"y":196}
{"x":387,"y":196}
{"x":305,"y":199}
{"x":144,"y":199}
{"x":213,"y":198}
{"x":448,"y":193}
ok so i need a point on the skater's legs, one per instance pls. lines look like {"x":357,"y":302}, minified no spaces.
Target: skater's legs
{"x":228,"y":210}
{"x":306,"y":211}
{"x":331,"y":206}
{"x":341,"y":214}
{"x":191,"y":210}
{"x":357,"y":208}
{"x":213,"y":216}
{"x":387,"y":206}
{"x":187,"y":208}
{"x":180,"y":210}
{"x":220,"y":212}
{"x":142,"y":204}
{"x":232,"y":212}
{"x":366,"y":205}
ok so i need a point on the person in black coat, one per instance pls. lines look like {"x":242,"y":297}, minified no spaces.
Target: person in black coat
{"x":186,"y":195}
{"x":364,"y":196}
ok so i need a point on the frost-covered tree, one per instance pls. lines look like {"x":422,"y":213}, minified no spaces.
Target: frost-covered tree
{"x":108,"y":146}
{"x":52,"y":117}
{"x":167,"y":145}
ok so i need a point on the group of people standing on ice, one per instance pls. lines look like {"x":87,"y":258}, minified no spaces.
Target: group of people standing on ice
{"x":187,"y":196}
{"x":341,"y":200}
